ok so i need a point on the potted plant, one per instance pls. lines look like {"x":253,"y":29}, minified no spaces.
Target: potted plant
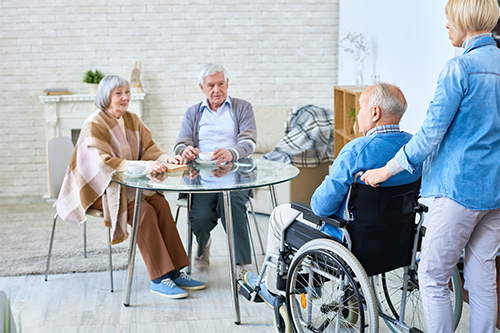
{"x":352,"y":118}
{"x":92,"y":78}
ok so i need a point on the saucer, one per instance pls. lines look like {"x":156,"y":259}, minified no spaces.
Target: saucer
{"x":136,"y":175}
{"x":205,"y":162}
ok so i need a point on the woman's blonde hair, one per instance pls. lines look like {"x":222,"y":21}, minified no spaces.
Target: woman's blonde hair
{"x":472,"y":15}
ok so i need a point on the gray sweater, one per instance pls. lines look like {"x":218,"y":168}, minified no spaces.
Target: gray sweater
{"x":245,"y":129}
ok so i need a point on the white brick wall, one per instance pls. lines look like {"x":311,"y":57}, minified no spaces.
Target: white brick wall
{"x":277,"y":52}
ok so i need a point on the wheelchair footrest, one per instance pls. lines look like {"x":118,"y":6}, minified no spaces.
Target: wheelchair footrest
{"x":248,"y":292}
{"x":415,"y":330}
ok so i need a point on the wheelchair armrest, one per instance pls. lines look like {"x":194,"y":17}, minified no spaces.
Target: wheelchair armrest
{"x":423,"y":208}
{"x":308,"y":215}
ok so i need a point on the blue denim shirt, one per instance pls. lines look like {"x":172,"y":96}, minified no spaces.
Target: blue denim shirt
{"x":459,"y":141}
{"x":360,"y":154}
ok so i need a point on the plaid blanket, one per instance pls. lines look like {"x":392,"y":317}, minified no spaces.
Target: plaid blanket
{"x":308,"y":139}
{"x":101,"y":149}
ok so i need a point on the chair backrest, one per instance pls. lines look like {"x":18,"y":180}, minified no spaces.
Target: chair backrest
{"x":59,"y":151}
{"x":384,"y":225}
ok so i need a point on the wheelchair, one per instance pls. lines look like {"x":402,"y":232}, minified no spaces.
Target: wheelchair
{"x":327,"y":284}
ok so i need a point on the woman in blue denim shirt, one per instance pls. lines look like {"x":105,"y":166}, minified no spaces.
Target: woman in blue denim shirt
{"x":459,"y":147}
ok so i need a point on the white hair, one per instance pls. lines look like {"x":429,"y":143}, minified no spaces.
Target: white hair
{"x":388,"y":98}
{"x":105,"y":88}
{"x":210,"y":69}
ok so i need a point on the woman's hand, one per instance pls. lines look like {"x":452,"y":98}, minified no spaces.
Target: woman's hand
{"x":158,"y":177}
{"x":157,"y":167}
{"x":375,"y":177}
{"x":190,"y":153}
{"x":222,"y":155}
{"x":177,"y":159}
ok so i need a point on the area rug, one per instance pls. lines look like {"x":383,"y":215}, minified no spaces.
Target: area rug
{"x":25,"y":231}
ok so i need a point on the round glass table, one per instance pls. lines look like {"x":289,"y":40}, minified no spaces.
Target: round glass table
{"x":206,"y":177}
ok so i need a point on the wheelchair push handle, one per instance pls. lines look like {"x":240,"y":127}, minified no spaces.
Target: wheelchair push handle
{"x":357,"y":175}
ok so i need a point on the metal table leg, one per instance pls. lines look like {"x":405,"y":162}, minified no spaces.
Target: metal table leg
{"x":230,"y":245}
{"x":274,"y":198}
{"x":189,"y":236}
{"x":132,"y":247}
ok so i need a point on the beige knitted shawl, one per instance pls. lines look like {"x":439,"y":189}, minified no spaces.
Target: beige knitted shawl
{"x":101,"y":149}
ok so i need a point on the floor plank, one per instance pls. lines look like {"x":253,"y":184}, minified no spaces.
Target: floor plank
{"x":82,"y":302}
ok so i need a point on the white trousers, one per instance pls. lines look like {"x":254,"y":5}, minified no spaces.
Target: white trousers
{"x":279,"y":216}
{"x":452,"y":228}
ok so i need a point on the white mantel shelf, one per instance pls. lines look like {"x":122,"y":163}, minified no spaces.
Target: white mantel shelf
{"x":64,"y":113}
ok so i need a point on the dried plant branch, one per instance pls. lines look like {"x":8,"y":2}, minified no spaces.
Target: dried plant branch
{"x":356,"y":45}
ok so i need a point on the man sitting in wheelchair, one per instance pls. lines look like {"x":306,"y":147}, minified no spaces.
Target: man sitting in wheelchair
{"x":381,"y":108}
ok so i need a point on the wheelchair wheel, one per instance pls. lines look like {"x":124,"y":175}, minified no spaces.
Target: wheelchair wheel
{"x":389,"y":288}
{"x":328,"y":291}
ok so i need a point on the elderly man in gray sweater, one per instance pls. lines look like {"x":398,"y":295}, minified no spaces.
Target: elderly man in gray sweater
{"x":227,"y":127}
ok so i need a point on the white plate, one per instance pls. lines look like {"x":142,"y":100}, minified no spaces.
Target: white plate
{"x":136,"y":175}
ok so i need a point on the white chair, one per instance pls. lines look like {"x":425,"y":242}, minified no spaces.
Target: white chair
{"x":183,"y":203}
{"x":59,"y":152}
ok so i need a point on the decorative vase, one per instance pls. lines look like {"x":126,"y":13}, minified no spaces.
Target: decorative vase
{"x":359,"y":73}
{"x":92,"y":88}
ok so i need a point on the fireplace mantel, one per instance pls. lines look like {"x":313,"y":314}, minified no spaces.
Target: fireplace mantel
{"x":66,"y":113}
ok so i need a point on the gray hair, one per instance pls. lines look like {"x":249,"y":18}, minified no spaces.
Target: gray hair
{"x":211,"y":69}
{"x":388,"y":98}
{"x":105,"y":88}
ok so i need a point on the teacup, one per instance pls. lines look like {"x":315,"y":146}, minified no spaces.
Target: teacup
{"x":206,"y":155}
{"x":136,"y":168}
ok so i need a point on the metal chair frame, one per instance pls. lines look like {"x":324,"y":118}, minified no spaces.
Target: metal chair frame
{"x":59,"y":151}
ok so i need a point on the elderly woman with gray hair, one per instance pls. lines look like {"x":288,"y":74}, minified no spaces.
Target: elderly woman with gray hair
{"x":112,"y":138}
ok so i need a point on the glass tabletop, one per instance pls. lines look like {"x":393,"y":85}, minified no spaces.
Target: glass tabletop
{"x":242,"y":174}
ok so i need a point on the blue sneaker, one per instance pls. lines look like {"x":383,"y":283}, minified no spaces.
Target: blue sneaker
{"x":186,"y":282}
{"x":167,"y":288}
{"x":251,"y":278}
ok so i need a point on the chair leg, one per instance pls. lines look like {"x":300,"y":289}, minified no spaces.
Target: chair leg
{"x":177,"y":214}
{"x":110,"y":260}
{"x":50,"y":246}
{"x":85,"y":239}
{"x":256,"y":226}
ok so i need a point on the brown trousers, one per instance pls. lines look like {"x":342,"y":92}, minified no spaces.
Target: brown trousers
{"x":157,"y":237}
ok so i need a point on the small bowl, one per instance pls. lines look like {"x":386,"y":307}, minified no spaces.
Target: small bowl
{"x":206,"y":155}
{"x":136,"y":168}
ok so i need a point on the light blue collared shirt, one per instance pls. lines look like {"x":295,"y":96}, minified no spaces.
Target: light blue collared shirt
{"x":361,"y":154}
{"x":216,"y":128}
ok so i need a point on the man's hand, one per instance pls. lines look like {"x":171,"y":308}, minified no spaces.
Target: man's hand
{"x":222,"y":170}
{"x":375,"y":177}
{"x":222,"y":155}
{"x":192,"y":173}
{"x":177,"y":159}
{"x":190,"y":153}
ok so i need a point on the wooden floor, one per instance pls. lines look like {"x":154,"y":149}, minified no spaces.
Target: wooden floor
{"x":83,"y":302}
